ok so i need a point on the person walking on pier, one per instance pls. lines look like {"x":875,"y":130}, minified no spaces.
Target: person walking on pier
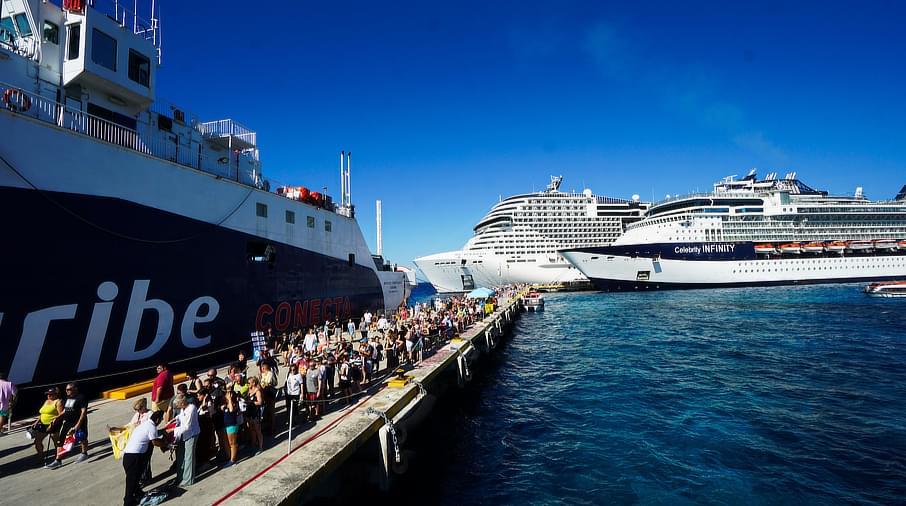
{"x":75,"y":420}
{"x":8,"y":394}
{"x":48,"y":415}
{"x":313,"y":388}
{"x":254,"y":413}
{"x":186,"y":434}
{"x":162,"y":391}
{"x":137,"y":453}
{"x":232,"y":417}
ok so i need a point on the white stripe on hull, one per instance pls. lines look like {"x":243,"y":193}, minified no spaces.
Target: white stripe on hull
{"x":445,"y":270}
{"x":766,"y":271}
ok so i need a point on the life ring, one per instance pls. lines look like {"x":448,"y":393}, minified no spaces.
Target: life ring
{"x":16,"y":100}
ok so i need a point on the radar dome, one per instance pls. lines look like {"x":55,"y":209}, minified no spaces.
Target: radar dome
{"x":636,"y":198}
{"x":587,"y":192}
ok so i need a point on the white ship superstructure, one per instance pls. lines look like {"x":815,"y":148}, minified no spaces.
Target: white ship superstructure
{"x":518,"y":240}
{"x":754,"y":232}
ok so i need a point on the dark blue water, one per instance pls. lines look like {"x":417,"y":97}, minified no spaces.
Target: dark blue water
{"x":781,"y":395}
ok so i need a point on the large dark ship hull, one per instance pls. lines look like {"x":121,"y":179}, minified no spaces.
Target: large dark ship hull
{"x":103,"y":287}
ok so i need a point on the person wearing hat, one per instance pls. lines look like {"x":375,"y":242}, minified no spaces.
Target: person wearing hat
{"x":47,"y":415}
{"x":140,"y":407}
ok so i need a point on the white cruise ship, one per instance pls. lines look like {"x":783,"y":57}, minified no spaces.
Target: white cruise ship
{"x":517,"y":241}
{"x":751,"y":232}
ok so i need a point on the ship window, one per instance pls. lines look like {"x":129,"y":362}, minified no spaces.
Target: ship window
{"x":310,"y":221}
{"x":51,"y":33}
{"x":327,"y":225}
{"x":139,"y":68}
{"x":75,"y":41}
{"x":290,"y":217}
{"x":22,"y":24}
{"x":261,"y":209}
{"x":103,"y":50}
{"x":7,"y":30}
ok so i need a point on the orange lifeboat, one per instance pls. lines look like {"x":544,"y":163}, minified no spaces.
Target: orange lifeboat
{"x":860,"y":245}
{"x":813,"y":247}
{"x":765,"y":249}
{"x":836,"y":246}
{"x":791,"y":247}
{"x":315,"y":198}
{"x":886,"y":244}
{"x":304,"y":194}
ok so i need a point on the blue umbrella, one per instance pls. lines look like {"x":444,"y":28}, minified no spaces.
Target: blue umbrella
{"x":480,"y":293}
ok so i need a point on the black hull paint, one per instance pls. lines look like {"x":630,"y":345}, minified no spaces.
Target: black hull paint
{"x":68,"y":260}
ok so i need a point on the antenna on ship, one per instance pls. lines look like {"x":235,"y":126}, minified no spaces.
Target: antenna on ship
{"x":380,"y":238}
{"x":346,"y":207}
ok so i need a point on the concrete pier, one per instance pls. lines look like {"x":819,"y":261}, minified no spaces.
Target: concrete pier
{"x":288,"y":472}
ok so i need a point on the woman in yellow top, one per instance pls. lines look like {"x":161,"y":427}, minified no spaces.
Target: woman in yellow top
{"x":47,"y":415}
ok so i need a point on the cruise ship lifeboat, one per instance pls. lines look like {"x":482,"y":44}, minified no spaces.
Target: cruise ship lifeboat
{"x":765,"y":249}
{"x":860,"y":245}
{"x":791,"y":247}
{"x":901,"y":244}
{"x":888,"y":244}
{"x":836,"y":246}
{"x":813,"y":247}
{"x":315,"y":198}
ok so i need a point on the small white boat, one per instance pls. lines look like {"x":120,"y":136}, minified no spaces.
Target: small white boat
{"x":533,"y":301}
{"x":886,"y":289}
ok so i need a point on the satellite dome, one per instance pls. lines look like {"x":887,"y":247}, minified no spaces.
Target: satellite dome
{"x":636,"y":198}
{"x":587,"y":192}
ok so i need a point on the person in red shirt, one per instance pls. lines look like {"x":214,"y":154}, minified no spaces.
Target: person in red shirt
{"x":162,"y":391}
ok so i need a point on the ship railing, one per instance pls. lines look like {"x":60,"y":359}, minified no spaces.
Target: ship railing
{"x":148,"y":142}
{"x":127,"y":14}
{"x":228,"y":128}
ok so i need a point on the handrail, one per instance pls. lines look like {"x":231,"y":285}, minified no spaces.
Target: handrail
{"x":148,"y":142}
{"x":228,"y":127}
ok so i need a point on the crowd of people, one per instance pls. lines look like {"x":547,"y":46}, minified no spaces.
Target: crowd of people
{"x":208,"y":419}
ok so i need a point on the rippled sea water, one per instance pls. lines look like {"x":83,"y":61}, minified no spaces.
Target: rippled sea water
{"x":780,"y":395}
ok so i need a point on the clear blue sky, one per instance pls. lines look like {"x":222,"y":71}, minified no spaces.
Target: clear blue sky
{"x":448,"y":105}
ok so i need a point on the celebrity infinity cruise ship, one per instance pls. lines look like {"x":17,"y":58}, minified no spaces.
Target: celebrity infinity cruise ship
{"x":751,"y":232}
{"x":518,"y":240}
{"x":135,"y":233}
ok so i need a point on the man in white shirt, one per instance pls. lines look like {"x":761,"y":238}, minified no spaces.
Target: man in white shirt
{"x":382,"y":323}
{"x":136,"y":455}
{"x":367,"y":317}
{"x":186,"y":433}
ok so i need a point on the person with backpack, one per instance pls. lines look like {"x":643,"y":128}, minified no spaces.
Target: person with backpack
{"x":345,"y":374}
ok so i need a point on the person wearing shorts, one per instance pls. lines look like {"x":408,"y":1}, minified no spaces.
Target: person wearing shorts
{"x":231,"y":421}
{"x":75,"y":419}
{"x":7,"y":399}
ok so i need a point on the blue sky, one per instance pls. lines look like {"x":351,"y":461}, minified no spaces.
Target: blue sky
{"x":447,"y":106}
